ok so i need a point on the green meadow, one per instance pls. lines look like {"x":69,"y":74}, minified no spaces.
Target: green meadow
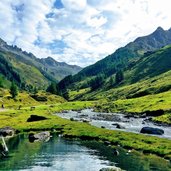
{"x":17,"y":118}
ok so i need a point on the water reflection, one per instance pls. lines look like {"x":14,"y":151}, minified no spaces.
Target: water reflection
{"x":66,"y":155}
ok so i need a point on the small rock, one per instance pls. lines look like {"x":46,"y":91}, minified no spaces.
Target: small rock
{"x":72,"y":119}
{"x":7,"y":131}
{"x":107,"y":143}
{"x":102,"y":126}
{"x":120,"y":126}
{"x":64,"y":111}
{"x":86,"y":120}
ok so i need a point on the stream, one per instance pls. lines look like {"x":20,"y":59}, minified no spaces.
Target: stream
{"x":60,"y":154}
{"x":111,"y":120}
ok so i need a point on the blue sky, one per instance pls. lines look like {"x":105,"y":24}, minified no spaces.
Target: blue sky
{"x":79,"y":32}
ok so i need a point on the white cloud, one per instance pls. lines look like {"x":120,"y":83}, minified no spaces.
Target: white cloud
{"x":82,"y":31}
{"x":74,"y":5}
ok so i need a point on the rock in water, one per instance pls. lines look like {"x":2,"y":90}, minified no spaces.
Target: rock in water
{"x":34,"y":118}
{"x":7,"y":131}
{"x":150,"y":130}
{"x":120,"y":126}
{"x":42,"y":136}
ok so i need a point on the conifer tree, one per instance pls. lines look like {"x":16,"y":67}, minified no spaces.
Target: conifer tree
{"x":13,"y":90}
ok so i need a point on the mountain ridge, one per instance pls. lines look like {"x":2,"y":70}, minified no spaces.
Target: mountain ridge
{"x":123,"y":59}
{"x":23,"y":63}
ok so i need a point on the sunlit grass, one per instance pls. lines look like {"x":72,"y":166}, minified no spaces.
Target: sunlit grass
{"x":18,"y":120}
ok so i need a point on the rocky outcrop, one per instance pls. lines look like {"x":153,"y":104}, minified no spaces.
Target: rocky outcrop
{"x":34,"y":118}
{"x":42,"y":136}
{"x":150,"y":130}
{"x":7,"y":131}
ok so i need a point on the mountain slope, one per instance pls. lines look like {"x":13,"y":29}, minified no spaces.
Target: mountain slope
{"x":151,"y":65}
{"x":25,"y":68}
{"x":122,"y":58}
{"x":150,"y":75}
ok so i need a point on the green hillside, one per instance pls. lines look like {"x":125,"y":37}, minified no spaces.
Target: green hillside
{"x":23,"y":74}
{"x":121,"y":59}
{"x":146,"y":86}
{"x":28,"y":71}
{"x":141,"y":73}
{"x":155,"y":85}
{"x":152,"y":65}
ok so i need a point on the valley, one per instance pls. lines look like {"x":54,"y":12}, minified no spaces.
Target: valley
{"x":130,"y":88}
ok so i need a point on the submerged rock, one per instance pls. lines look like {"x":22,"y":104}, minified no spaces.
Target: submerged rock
{"x":42,"y":136}
{"x":150,"y":130}
{"x":7,"y":131}
{"x":34,"y":118}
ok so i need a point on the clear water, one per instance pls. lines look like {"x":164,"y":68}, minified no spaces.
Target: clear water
{"x":59,"y":154}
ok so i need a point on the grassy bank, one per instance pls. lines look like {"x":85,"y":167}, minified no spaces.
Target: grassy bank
{"x":140,"y":105}
{"x":18,"y":120}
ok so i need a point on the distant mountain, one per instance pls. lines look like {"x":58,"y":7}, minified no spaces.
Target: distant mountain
{"x":25,"y":68}
{"x":140,"y":56}
{"x":59,"y":70}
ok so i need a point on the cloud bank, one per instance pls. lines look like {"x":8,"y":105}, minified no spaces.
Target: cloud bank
{"x":79,"y":31}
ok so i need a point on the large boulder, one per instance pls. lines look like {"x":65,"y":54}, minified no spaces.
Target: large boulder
{"x":154,"y":112}
{"x":150,"y":130}
{"x":34,"y":118}
{"x":7,"y":131}
{"x":42,"y":136}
